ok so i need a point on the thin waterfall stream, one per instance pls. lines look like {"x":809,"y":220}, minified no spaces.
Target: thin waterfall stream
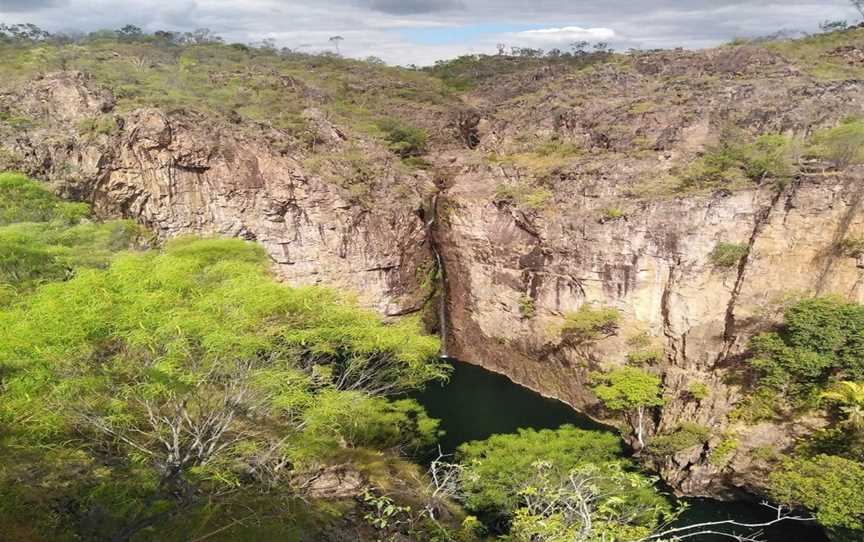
{"x":431,"y":224}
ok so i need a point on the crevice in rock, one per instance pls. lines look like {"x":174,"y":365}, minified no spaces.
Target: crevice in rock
{"x":833,"y":252}
{"x":761,"y":220}
{"x":665,"y":311}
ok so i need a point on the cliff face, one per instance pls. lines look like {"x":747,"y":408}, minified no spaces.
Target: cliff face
{"x":182,"y":173}
{"x":598,"y":236}
{"x":557,"y":188}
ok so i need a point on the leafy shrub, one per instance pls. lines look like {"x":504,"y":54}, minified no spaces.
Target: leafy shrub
{"x":821,"y":339}
{"x":722,"y":454}
{"x":645,"y":357}
{"x":698,"y":390}
{"x":728,"y":254}
{"x":852,"y":246}
{"x":406,"y":141}
{"x":589,"y":324}
{"x":768,"y":157}
{"x":527,"y":309}
{"x":497,"y":468}
{"x":829,"y":486}
{"x":685,"y":436}
{"x":612,"y":213}
{"x":843,"y":145}
{"x":44,"y":239}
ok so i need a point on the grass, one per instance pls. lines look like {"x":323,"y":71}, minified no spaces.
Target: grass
{"x":813,"y":54}
{"x":541,"y":156}
{"x":524,"y":195}
{"x":735,"y":162}
{"x":258,"y":84}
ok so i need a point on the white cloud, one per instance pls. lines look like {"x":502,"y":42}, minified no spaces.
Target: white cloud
{"x":309,"y":23}
{"x":566,"y":34}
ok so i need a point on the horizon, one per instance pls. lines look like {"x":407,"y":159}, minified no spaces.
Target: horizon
{"x":422,"y":32}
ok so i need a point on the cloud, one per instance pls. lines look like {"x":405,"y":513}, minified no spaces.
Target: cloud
{"x":422,"y":31}
{"x":567,"y":34}
{"x":27,"y":5}
{"x":414,"y":7}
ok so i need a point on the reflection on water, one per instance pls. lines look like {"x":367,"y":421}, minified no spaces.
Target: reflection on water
{"x":477,"y":403}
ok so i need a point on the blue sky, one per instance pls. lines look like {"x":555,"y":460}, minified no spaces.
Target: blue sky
{"x":423,"y":31}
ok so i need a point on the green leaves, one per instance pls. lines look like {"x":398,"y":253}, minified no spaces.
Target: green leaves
{"x":498,"y":468}
{"x":822,"y":338}
{"x":628,"y":388}
{"x":830,"y":486}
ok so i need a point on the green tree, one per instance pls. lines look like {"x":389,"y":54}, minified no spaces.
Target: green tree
{"x":171,"y":378}
{"x":593,"y":502}
{"x":498,"y":468}
{"x":630,"y":390}
{"x":821,"y":339}
{"x":829,"y":486}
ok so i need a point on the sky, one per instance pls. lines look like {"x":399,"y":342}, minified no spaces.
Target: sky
{"x":423,"y":31}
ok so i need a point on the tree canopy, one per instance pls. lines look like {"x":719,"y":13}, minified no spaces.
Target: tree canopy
{"x":141,"y":388}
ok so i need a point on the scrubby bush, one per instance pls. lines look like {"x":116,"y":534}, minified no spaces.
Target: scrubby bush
{"x":45,"y":239}
{"x":698,"y":390}
{"x":827,"y":485}
{"x":645,"y":357}
{"x":821,"y":339}
{"x":722,"y":454}
{"x":404,"y":140}
{"x":685,"y":436}
{"x":728,"y":254}
{"x":842,"y":145}
{"x":589,"y":324}
{"x":527,"y":308}
{"x":733,"y":161}
{"x":499,"y":467}
{"x":851,"y":246}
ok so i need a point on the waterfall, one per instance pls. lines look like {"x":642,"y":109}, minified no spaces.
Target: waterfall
{"x":442,"y":276}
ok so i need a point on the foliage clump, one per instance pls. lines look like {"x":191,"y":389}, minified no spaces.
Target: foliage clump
{"x":632,"y":391}
{"x":181,"y":379}
{"x":830,"y":486}
{"x":43,"y":238}
{"x":498,"y":467}
{"x":589,"y":324}
{"x":842,"y":145}
{"x":733,"y":162}
{"x":821,"y":339}
{"x":728,"y":254}
{"x":685,"y":436}
{"x":402,"y":139}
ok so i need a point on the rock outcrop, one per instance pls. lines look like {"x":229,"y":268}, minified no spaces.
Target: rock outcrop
{"x":603,"y":235}
{"x":182,"y":173}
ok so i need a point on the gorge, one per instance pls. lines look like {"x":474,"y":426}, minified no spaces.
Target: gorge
{"x":694,"y":196}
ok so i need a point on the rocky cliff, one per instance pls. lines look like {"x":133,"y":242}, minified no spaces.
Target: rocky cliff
{"x":600,"y":229}
{"x":353,"y":223}
{"x":557,"y":187}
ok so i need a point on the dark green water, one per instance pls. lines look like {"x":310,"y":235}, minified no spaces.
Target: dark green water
{"x":477,"y":403}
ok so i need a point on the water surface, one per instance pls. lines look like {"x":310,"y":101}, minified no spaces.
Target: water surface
{"x":477,"y":403}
